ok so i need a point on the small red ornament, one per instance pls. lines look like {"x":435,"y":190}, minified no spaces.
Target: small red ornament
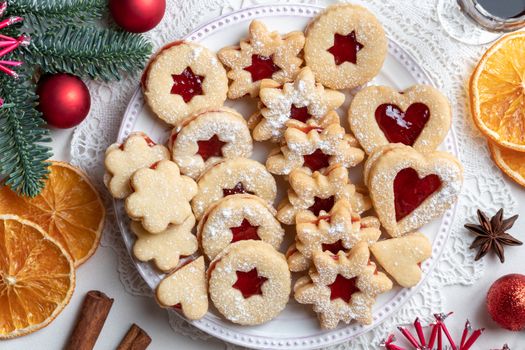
{"x":64,"y":100}
{"x":137,"y":16}
{"x":506,"y":302}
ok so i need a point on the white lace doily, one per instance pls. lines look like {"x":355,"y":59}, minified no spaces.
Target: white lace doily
{"x":415,"y":26}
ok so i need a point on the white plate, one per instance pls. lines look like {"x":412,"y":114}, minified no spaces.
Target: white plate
{"x":296,"y":326}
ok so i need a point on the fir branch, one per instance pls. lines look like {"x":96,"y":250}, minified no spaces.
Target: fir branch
{"x":47,"y":14}
{"x":22,"y":134}
{"x":89,"y":52}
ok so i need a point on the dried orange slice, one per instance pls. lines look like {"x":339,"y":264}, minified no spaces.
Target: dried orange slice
{"x":37,"y":277}
{"x":510,"y":162}
{"x":497,"y":92}
{"x":69,"y":209}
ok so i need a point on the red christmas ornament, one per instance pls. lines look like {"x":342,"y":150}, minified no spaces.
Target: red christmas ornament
{"x":64,"y":100}
{"x":137,"y":16}
{"x":506,"y":302}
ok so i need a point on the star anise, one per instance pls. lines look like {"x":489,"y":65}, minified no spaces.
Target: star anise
{"x":491,"y":234}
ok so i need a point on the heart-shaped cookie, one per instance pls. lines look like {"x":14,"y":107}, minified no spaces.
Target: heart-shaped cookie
{"x":408,"y":189}
{"x":401,"y":257}
{"x":418,"y":117}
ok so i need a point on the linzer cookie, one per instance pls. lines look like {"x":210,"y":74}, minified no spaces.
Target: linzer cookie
{"x":408,"y":188}
{"x":342,"y":287}
{"x":233,"y":176}
{"x":315,"y":145}
{"x":236,"y":218}
{"x":207,"y":137}
{"x":319,"y":192}
{"x":263,"y":55}
{"x":249,"y":282}
{"x":345,"y":46}
{"x":161,"y":196}
{"x":121,"y":161}
{"x":183,"y":78}
{"x":186,"y":289}
{"x":300,"y":100}
{"x":418,"y":117}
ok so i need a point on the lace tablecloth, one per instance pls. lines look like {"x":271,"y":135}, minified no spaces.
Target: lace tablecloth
{"x":413,"y":24}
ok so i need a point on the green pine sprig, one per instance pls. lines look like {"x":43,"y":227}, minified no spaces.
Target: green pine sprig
{"x":89,"y":52}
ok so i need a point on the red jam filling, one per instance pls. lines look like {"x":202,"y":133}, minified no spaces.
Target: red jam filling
{"x":238,"y":188}
{"x":325,"y":204}
{"x":210,"y":148}
{"x":345,"y":48}
{"x":333,"y":248}
{"x":249,"y":283}
{"x":187,"y":84}
{"x":149,"y":142}
{"x":316,"y":160}
{"x":300,"y":113}
{"x":410,"y":190}
{"x":262,"y":67}
{"x":399,"y":126}
{"x":154,"y":165}
{"x":244,"y":232}
{"x":343,"y":288}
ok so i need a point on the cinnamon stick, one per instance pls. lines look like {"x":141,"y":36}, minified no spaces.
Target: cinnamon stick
{"x":95,"y":310}
{"x":135,"y":339}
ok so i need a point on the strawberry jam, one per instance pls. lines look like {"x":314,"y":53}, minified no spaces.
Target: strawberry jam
{"x":343,"y":288}
{"x":399,"y":126}
{"x":345,"y":48}
{"x":410,"y":190}
{"x":300,"y":113}
{"x":187,"y":84}
{"x":244,"y":232}
{"x":325,"y":204}
{"x":249,"y":283}
{"x":316,"y":160}
{"x":210,"y":148}
{"x":262,"y":67}
{"x":333,"y":248}
{"x":238,"y":188}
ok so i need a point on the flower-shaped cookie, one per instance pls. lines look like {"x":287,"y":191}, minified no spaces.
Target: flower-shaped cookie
{"x":339,"y":229}
{"x":319,"y":192}
{"x":301,"y":100}
{"x":183,"y":78}
{"x":165,"y":248}
{"x":263,"y":55}
{"x":137,"y":152}
{"x":342,"y":287}
{"x":315,"y":145}
{"x":186,"y":289}
{"x":207,"y":137}
{"x":161,"y":196}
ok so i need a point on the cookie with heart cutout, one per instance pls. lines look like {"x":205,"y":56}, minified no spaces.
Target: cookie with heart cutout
{"x":233,"y":176}
{"x":345,"y":46}
{"x":409,"y":188}
{"x":401,"y":257}
{"x":161,"y":196}
{"x":166,"y":248}
{"x":181,"y":79}
{"x":186,"y":289}
{"x":302,"y":100}
{"x":342,"y":287}
{"x":263,"y":55}
{"x":419,"y":117}
{"x":377,"y":153}
{"x":208,"y":137}
{"x":236,"y":218}
{"x":249,"y":282}
{"x":318,"y":192}
{"x":339,"y":229}
{"x":315,"y":145}
{"x":122,"y":160}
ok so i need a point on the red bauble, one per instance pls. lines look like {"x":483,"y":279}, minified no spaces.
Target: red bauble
{"x":64,"y":100}
{"x":506,"y":302}
{"x":137,"y":16}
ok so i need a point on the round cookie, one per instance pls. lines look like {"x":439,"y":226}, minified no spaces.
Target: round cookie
{"x":183,"y":78}
{"x":235,"y":218}
{"x":207,"y":137}
{"x":345,"y":46}
{"x":249,"y":282}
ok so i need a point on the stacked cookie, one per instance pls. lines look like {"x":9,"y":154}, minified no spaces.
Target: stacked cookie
{"x":205,"y":179}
